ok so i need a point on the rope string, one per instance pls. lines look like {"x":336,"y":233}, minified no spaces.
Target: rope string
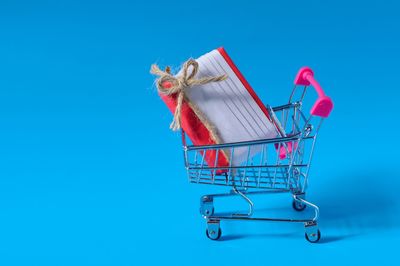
{"x":169,"y":84}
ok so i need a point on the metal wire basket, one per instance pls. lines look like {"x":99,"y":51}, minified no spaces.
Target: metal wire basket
{"x":280,"y":164}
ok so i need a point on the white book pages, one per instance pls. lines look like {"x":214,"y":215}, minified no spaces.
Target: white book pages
{"x":229,"y":106}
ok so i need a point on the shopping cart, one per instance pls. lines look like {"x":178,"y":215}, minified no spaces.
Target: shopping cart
{"x":281,"y":165}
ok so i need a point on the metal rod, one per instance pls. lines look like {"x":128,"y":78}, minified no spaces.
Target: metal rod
{"x":243,"y":143}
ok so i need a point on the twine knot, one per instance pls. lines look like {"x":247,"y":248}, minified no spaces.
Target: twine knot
{"x":169,"y":84}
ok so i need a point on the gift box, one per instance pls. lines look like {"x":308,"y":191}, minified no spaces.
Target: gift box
{"x":214,"y":104}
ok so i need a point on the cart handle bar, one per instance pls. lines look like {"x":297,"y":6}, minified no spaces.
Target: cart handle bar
{"x":323,"y":105}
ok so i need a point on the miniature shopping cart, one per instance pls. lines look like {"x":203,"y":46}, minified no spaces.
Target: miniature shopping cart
{"x":281,"y":165}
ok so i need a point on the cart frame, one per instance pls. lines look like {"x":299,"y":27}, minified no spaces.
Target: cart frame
{"x":281,"y":165}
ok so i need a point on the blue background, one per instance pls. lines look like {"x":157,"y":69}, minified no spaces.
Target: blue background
{"x":90,"y":173}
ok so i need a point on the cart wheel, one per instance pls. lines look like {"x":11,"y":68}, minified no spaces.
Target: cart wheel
{"x":313,"y":237}
{"x":210,"y":211}
{"x":213,"y":235}
{"x":298,"y":206}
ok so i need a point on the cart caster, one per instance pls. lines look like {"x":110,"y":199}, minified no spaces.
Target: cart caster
{"x":206,"y":206}
{"x":214,"y":235}
{"x":312,"y":234}
{"x":297,"y":204}
{"x":314,"y":237}
{"x":213,"y":230}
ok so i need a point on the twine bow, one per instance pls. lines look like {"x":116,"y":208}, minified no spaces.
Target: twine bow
{"x":168,"y":84}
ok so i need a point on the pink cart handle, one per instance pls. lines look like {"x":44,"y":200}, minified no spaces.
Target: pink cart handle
{"x":324,"y":105}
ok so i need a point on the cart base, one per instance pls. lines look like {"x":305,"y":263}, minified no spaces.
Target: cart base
{"x":213,"y":231}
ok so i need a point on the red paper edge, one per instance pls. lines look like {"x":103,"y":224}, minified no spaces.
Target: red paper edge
{"x":237,"y":72}
{"x":210,"y":156}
